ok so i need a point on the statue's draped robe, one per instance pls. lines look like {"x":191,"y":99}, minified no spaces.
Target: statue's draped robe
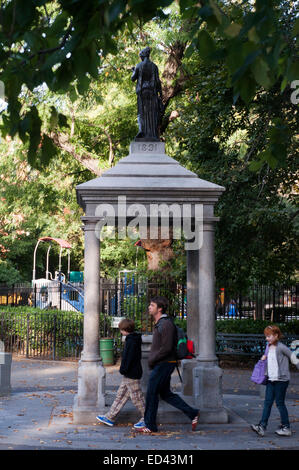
{"x":148,"y":106}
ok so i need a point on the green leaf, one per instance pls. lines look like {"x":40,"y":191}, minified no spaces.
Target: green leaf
{"x":217,"y":11}
{"x":255,"y":165}
{"x":284,"y":83}
{"x":59,"y":24}
{"x":53,"y":118}
{"x":233,"y":30}
{"x":48,"y":150}
{"x":24,"y":12}
{"x":296,"y":28}
{"x":272,"y":160}
{"x":33,"y":40}
{"x":115,"y":10}
{"x":206,"y":45}
{"x":253,"y":36}
{"x":260,"y":70}
{"x":293,"y":71}
{"x":73,"y":94}
{"x":62,"y":120}
{"x":35,"y":135}
{"x":246,"y":87}
{"x":250,"y":58}
{"x":83,"y":84}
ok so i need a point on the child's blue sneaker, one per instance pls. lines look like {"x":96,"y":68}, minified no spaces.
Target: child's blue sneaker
{"x":105,"y":420}
{"x":140,"y":424}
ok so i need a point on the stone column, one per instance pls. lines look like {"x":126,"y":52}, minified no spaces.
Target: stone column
{"x":192,"y":297}
{"x":192,"y":319}
{"x":90,"y":399}
{"x":145,"y":350}
{"x":207,"y":375}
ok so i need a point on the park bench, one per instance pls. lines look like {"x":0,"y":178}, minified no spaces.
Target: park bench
{"x":245,"y":344}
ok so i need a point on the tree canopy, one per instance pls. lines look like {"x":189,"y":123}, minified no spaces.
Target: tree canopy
{"x":64,"y":44}
{"x":227,"y":70}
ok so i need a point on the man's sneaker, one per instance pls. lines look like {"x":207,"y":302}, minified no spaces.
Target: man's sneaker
{"x":194,"y":422}
{"x":284,"y":431}
{"x":259,"y":429}
{"x":140,"y":424}
{"x":105,"y":420}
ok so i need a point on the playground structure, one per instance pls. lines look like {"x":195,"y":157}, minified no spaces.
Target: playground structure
{"x":66,"y":292}
{"x":58,"y":291}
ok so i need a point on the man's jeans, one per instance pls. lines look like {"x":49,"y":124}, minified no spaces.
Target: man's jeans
{"x":159,"y":384}
{"x":275,"y":391}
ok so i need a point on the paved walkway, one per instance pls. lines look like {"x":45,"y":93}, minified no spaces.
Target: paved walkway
{"x":38,"y":415}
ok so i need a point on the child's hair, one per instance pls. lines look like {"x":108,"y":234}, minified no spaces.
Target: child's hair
{"x":161,"y":302}
{"x":127,"y":325}
{"x":274,"y":330}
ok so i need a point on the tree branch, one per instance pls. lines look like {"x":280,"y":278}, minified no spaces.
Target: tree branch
{"x":53,"y":49}
{"x":86,"y":159}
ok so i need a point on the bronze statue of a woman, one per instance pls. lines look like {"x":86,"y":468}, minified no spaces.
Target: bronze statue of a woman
{"x":149,"y":101}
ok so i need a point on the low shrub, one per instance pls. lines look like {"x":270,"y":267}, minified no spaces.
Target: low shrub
{"x":38,"y":332}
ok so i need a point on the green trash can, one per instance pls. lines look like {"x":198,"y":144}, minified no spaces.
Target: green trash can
{"x":107,"y":351}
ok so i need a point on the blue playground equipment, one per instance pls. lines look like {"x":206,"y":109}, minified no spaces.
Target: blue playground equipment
{"x":73,"y":295}
{"x":57,"y":292}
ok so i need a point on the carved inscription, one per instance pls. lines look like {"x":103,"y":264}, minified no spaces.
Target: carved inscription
{"x":147,"y":147}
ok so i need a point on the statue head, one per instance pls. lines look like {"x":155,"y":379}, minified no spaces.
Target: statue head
{"x":145,"y":53}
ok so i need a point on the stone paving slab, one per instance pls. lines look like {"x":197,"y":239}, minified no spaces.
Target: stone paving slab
{"x":38,"y":415}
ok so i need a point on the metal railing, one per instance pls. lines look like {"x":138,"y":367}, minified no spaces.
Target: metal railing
{"x":121,"y":298}
{"x":46,"y":335}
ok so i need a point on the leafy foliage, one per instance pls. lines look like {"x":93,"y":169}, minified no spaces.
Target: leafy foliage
{"x":245,"y":143}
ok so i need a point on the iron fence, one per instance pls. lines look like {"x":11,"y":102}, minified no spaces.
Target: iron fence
{"x":122,"y":297}
{"x":272,"y":303}
{"x":58,"y":334}
{"x":45,"y":335}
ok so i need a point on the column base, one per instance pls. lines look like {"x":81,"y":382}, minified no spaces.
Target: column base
{"x":91,"y":397}
{"x":86,"y":414}
{"x":207,"y":393}
{"x":5,"y":373}
{"x":187,"y":366}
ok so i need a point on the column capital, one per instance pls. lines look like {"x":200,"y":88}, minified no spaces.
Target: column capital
{"x":208,"y":223}
{"x":90,"y":222}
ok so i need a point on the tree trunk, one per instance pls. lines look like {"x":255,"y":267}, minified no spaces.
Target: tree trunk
{"x":157,"y":250}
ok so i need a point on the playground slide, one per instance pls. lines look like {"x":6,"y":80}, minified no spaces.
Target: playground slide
{"x":73,"y":296}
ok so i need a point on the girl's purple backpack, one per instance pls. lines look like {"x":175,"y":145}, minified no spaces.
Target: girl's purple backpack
{"x":259,"y":372}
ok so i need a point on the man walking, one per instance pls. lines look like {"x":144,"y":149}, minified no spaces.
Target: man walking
{"x":162,"y":361}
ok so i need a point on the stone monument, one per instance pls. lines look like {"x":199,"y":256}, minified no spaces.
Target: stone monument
{"x":148,"y":177}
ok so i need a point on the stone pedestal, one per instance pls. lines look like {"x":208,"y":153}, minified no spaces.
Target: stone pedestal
{"x":145,"y":350}
{"x":5,"y":373}
{"x":90,"y":400}
{"x":187,"y":366}
{"x":207,"y":393}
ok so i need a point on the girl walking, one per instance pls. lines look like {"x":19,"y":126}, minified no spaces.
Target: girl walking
{"x":278,"y":380}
